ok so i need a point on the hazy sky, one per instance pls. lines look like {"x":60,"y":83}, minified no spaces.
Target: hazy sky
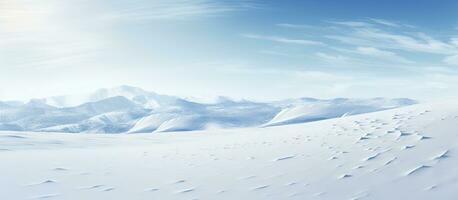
{"x":253,"y":49}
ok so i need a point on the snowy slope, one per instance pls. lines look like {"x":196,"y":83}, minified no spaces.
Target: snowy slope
{"x":187,"y":116}
{"x":406,"y":153}
{"x":314,"y":109}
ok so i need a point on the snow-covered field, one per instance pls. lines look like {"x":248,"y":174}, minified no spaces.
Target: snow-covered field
{"x":405,"y":153}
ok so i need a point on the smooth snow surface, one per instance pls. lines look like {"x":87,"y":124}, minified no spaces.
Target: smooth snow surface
{"x":405,"y":153}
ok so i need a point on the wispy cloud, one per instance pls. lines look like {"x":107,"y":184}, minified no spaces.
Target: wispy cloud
{"x":275,"y":53}
{"x":283,"y":39}
{"x":331,"y":58}
{"x":382,"y":54}
{"x":372,"y":42}
{"x":386,"y":22}
{"x":176,"y":9}
{"x":351,"y":23}
{"x":379,"y":38}
{"x":297,"y":26}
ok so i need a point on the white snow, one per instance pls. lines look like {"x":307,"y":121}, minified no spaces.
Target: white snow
{"x":354,"y":157}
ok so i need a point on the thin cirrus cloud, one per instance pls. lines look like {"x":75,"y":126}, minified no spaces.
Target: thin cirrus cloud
{"x":331,"y":58}
{"x":385,"y":22}
{"x":176,"y":9}
{"x":377,"y":37}
{"x":382,"y":54}
{"x":381,"y":40}
{"x":297,"y":26}
{"x":390,"y":23}
{"x":282,"y":39}
{"x":407,"y":41}
{"x":351,"y":23}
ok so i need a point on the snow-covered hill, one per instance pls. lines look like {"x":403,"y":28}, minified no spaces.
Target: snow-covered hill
{"x":404,"y":153}
{"x":186,"y":116}
{"x":128,"y":109}
{"x":313,"y":110}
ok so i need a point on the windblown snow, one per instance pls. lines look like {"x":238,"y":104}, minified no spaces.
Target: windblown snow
{"x":128,"y":109}
{"x":403,"y":153}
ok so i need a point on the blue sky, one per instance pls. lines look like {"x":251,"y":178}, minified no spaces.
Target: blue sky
{"x":260,"y":50}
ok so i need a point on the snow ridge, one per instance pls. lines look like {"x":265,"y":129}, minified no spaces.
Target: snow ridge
{"x":127,"y":109}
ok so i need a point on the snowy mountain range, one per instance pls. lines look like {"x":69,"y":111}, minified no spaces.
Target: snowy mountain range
{"x":127,"y":109}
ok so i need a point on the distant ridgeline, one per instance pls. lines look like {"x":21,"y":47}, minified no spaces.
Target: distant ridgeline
{"x":128,"y":109}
